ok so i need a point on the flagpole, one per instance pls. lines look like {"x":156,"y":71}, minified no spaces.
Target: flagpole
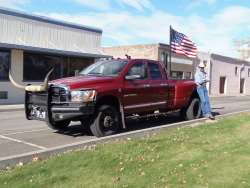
{"x":169,"y":64}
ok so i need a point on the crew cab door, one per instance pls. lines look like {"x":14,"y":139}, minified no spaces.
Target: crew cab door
{"x":159,"y":86}
{"x":136,"y":92}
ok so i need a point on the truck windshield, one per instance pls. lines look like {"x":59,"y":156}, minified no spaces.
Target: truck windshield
{"x":104,"y":68}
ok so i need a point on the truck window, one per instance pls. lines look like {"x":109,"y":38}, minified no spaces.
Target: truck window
{"x":105,"y":68}
{"x":136,"y":69}
{"x":155,"y":71}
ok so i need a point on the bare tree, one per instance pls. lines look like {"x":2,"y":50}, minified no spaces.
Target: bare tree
{"x":243,"y":46}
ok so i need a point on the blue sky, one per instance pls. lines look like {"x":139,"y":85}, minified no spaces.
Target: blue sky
{"x":211,"y":24}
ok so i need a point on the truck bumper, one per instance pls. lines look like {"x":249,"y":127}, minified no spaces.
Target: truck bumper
{"x":40,"y":106}
{"x":59,"y":113}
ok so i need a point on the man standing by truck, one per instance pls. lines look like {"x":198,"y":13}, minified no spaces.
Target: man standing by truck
{"x":201,"y":79}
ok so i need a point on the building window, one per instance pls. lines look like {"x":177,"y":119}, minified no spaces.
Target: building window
{"x":71,"y":64}
{"x":188,"y":75}
{"x":4,"y":64}
{"x":37,"y":66}
{"x":236,"y":71}
{"x":177,"y":74}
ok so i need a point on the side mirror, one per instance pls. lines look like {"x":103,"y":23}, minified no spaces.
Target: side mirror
{"x":141,"y":75}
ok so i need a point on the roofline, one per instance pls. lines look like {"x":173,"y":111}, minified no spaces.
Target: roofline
{"x":37,"y":49}
{"x":22,"y":14}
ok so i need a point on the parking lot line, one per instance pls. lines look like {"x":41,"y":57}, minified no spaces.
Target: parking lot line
{"x":20,"y":141}
{"x":25,"y":132}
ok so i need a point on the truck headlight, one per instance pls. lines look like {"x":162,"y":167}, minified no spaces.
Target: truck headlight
{"x":87,"y":95}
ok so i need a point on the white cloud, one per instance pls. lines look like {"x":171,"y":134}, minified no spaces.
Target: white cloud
{"x":198,"y":3}
{"x":194,"y":4}
{"x":233,"y":16}
{"x":214,"y":34}
{"x":13,"y":3}
{"x":107,"y":4}
{"x":97,"y":4}
{"x":137,"y":4}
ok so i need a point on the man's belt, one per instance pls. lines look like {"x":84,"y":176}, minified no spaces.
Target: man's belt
{"x":201,"y":85}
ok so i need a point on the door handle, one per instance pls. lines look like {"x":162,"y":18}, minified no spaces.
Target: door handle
{"x":164,"y":84}
{"x":147,"y":85}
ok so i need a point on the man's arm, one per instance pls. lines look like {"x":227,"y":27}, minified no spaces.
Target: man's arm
{"x":198,"y":79}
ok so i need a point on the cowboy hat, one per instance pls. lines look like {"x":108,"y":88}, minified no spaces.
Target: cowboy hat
{"x":201,"y":65}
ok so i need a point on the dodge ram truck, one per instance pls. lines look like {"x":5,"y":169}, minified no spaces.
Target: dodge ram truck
{"x":104,"y":94}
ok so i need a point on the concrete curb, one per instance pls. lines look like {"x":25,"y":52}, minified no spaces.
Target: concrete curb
{"x":10,"y":161}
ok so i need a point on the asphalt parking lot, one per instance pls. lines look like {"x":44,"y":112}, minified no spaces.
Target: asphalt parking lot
{"x":21,"y":140}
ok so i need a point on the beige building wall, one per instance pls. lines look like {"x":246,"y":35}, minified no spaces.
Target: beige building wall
{"x":15,"y":95}
{"x":222,"y":66}
{"x":145,"y":51}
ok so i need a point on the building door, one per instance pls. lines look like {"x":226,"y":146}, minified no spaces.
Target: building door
{"x":242,"y":82}
{"x":222,"y":85}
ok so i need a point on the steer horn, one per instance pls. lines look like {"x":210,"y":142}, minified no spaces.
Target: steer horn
{"x":31,"y":88}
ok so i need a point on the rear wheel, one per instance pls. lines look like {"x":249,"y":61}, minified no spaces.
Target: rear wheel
{"x":106,"y":122}
{"x":58,"y":125}
{"x":192,"y":111}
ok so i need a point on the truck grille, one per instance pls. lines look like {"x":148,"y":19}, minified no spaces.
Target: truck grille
{"x":59,"y":94}
{"x":37,"y":98}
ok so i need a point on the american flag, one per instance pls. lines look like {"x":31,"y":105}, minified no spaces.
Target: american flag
{"x":180,"y":44}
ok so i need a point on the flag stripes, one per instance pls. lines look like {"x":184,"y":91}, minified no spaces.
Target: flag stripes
{"x":180,"y":44}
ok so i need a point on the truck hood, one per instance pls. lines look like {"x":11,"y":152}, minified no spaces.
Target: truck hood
{"x":81,"y":81}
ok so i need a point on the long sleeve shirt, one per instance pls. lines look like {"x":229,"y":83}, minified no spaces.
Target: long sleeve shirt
{"x":201,"y":78}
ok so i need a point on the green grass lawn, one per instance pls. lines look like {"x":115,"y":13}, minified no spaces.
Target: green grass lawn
{"x":209,"y":155}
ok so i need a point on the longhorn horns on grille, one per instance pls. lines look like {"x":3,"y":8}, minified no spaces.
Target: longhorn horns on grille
{"x":32,"y":88}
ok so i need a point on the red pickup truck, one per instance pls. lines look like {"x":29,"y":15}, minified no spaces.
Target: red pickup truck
{"x":107,"y":92}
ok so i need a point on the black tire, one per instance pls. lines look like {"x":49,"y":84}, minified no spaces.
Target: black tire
{"x":192,"y":111}
{"x":106,"y":121}
{"x":60,"y":125}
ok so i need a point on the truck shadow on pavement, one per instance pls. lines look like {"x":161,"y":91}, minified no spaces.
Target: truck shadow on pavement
{"x":132,"y":124}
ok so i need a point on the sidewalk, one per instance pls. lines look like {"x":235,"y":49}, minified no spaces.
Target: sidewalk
{"x":230,"y":95}
{"x":11,"y":107}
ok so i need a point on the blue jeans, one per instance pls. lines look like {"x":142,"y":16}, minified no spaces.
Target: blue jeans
{"x":205,"y":104}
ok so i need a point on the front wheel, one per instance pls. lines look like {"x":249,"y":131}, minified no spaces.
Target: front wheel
{"x":59,"y":125}
{"x":192,"y":111}
{"x":106,"y":122}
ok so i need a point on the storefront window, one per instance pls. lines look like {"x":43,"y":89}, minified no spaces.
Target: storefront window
{"x":36,"y":66}
{"x":71,"y":64}
{"x":4,"y":64}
